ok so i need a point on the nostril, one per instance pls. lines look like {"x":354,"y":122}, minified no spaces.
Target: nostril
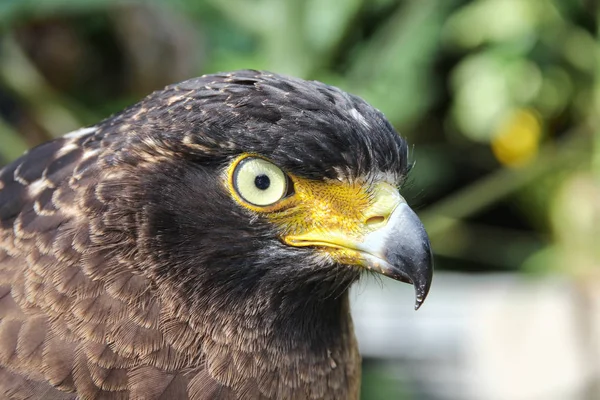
{"x":377,"y":220}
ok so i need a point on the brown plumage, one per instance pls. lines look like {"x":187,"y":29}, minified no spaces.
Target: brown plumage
{"x":131,"y":269}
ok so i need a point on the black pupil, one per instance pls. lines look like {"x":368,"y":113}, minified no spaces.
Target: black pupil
{"x":262,"y":182}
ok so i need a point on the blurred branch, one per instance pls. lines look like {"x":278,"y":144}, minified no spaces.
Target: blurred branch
{"x":397,"y":33}
{"x":393,"y":68}
{"x":290,"y":49}
{"x":19,"y":75}
{"x":443,"y":216}
{"x":328,"y":56}
{"x":287,"y":50}
{"x":244,"y":13}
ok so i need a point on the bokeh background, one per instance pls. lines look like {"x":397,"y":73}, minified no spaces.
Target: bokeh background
{"x":500,"y":100}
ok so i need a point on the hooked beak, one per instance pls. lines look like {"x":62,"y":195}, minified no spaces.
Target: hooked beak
{"x":397,"y":247}
{"x":401,"y":250}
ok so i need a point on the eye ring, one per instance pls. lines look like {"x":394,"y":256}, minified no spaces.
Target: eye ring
{"x":259,"y":182}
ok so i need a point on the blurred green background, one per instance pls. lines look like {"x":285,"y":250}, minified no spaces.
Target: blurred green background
{"x":499,"y":99}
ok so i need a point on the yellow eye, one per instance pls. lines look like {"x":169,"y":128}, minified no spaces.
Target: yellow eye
{"x":259,"y":182}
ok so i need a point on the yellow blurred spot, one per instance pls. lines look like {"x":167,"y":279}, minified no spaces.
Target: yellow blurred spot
{"x":517,"y":140}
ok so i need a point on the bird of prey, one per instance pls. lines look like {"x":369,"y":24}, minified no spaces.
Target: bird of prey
{"x":200,"y":245}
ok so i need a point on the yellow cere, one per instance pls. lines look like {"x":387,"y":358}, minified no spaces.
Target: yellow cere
{"x":331,"y":215}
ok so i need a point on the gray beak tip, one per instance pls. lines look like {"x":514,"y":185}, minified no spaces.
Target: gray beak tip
{"x":423,"y":282}
{"x":408,"y":252}
{"x":420,"y":296}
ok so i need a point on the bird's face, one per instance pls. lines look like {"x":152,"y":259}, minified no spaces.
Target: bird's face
{"x":362,"y":223}
{"x":281,"y":182}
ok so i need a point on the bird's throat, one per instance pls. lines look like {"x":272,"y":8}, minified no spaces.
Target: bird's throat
{"x":304,"y":350}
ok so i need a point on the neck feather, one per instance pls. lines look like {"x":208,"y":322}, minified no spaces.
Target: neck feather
{"x":282,"y":345}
